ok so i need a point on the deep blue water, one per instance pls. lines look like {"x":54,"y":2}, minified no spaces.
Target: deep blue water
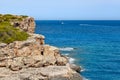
{"x":96,"y":45}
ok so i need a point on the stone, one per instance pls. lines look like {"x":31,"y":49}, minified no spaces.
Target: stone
{"x":46,"y":73}
{"x":21,"y":55}
{"x":27,"y":24}
{"x":32,"y":59}
{"x":2,"y":64}
{"x":61,"y":61}
{"x":75,"y":67}
{"x":15,"y":64}
{"x":2,"y":45}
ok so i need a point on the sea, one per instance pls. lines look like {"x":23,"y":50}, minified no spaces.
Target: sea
{"x":94,"y":45}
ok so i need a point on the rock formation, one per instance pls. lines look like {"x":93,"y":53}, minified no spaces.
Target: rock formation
{"x":27,"y":24}
{"x":32,"y":59}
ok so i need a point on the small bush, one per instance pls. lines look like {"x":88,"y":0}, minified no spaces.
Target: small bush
{"x":9,"y":34}
{"x":24,"y":16}
{"x":9,"y":17}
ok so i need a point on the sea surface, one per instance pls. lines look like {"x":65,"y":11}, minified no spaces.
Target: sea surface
{"x":93,"y":45}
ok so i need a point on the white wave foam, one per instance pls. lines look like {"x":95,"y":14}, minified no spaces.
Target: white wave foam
{"x":66,"y":54}
{"x":71,"y":60}
{"x":93,"y":25}
{"x":82,"y":70}
{"x":66,"y":49}
{"x":84,"y":24}
{"x":85,"y":79}
{"x":88,"y":25}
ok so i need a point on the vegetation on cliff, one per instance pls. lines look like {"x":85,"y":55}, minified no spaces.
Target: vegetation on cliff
{"x":9,"y":17}
{"x":8,"y":33}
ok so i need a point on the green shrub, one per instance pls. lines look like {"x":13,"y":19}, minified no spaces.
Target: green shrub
{"x":24,"y":16}
{"x":9,"y":17}
{"x":20,"y":19}
{"x":9,"y":34}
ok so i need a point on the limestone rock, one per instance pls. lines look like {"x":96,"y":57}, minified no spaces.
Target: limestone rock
{"x":75,"y":67}
{"x":30,"y":53}
{"x":46,"y":73}
{"x":15,"y":64}
{"x":2,"y":45}
{"x":27,"y":24}
{"x":32,"y":59}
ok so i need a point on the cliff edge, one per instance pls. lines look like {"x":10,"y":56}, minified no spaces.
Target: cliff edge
{"x":32,"y":59}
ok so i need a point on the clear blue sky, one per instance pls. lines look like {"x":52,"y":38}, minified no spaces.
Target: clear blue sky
{"x":64,"y":9}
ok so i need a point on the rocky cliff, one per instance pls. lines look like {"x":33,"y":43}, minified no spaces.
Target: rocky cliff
{"x":32,"y":59}
{"x":27,"y":24}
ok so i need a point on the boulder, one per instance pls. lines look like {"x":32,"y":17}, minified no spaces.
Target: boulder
{"x":75,"y":67}
{"x":46,"y":73}
{"x":15,"y":64}
{"x":2,"y":45}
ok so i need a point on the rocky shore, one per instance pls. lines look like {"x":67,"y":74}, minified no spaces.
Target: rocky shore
{"x":32,"y":59}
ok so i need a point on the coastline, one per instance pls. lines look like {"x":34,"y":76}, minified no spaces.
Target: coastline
{"x":19,"y":58}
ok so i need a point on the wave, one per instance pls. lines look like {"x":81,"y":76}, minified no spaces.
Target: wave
{"x":85,"y":78}
{"x":71,"y":60}
{"x":66,"y":54}
{"x":94,"y":25}
{"x":66,"y":49}
{"x":84,"y":24}
{"x":82,"y":69}
{"x":89,"y":25}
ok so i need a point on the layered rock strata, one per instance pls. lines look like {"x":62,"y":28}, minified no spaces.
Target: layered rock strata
{"x":33,"y":59}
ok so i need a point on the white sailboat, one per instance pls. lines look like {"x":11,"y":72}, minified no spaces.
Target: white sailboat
{"x":62,"y":22}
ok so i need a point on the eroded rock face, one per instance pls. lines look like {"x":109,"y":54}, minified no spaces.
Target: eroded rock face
{"x":43,"y":73}
{"x":30,"y":53}
{"x":27,"y":24}
{"x":33,"y":59}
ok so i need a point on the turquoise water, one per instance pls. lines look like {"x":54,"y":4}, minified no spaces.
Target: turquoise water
{"x":94,"y":45}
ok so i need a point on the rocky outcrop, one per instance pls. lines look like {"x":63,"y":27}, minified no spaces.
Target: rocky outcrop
{"x":43,"y":73}
{"x":26,"y":24}
{"x":23,"y":22}
{"x":32,"y":59}
{"x":30,"y":53}
{"x":75,"y":67}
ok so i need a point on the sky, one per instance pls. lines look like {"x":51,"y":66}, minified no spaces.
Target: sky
{"x":63,"y":9}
